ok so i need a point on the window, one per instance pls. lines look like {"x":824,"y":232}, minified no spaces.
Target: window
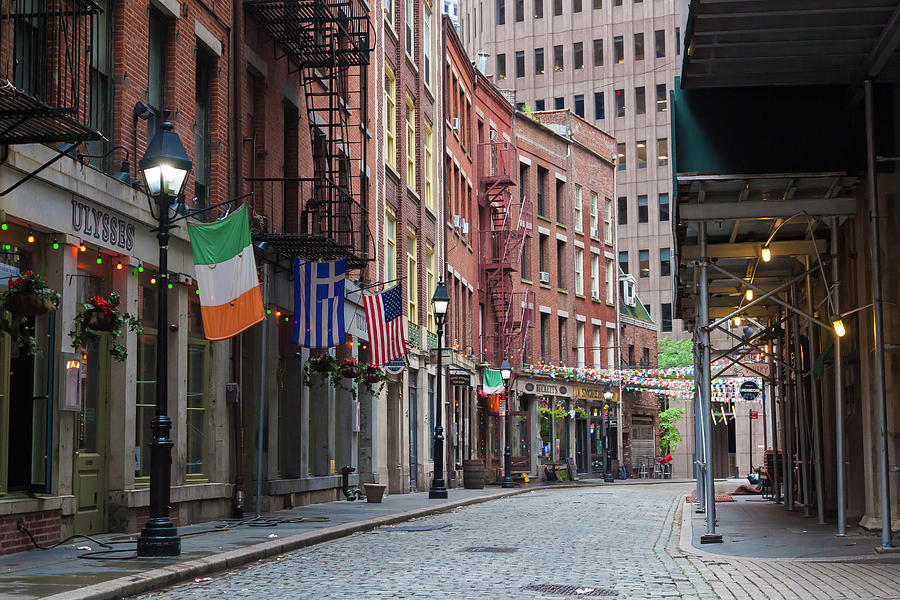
{"x":539,"y":105}
{"x":623,"y":210}
{"x":645,"y":352}
{"x":579,"y":105}
{"x":559,"y":103}
{"x":620,"y":103}
{"x":203,"y":127}
{"x":594,"y":217}
{"x":538,"y":9}
{"x":545,"y":337}
{"x":607,"y":221}
{"x":197,"y":378}
{"x":412,"y":277}
{"x":639,"y":46}
{"x":661,"y":97}
{"x":101,"y":89}
{"x":623,"y":262}
{"x":576,"y":6}
{"x":410,"y":142}
{"x":578,"y":55}
{"x":595,"y":276}
{"x":578,"y":214}
{"x":525,"y":266}
{"x":642,"y":154}
{"x":610,"y":282}
{"x":666,"y":312}
{"x":543,"y":259}
{"x":410,"y":26}
{"x":598,"y":53}
{"x":501,"y":67}
{"x":557,"y":8}
{"x":579,"y":343}
{"x":520,"y":63}
{"x":665,"y":262}
{"x":643,"y":211}
{"x":662,"y":152}
{"x":429,"y":166}
{"x":390,"y":245}
{"x":579,"y":272}
{"x":596,"y":343}
{"x":640,"y":100}
{"x":538,"y":61}
{"x":621,"y":159}
{"x":501,"y":12}
{"x":520,"y":11}
{"x":542,"y":192}
{"x":663,"y":207}
{"x":157,"y":63}
{"x":430,"y":285}
{"x":557,"y":58}
{"x":644,"y":263}
{"x":611,"y":349}
{"x":426,"y":45}
{"x":390,"y":115}
{"x":145,"y":403}
{"x":617,"y":3}
{"x":678,"y":40}
{"x":389,"y":12}
{"x":598,"y":4}
{"x":619,"y":49}
{"x":561,"y":339}
{"x":560,"y":264}
{"x":560,"y":201}
{"x":599,"y":106}
{"x":660,"y":36}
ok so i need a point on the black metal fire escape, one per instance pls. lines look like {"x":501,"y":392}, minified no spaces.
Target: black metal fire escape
{"x":329,"y":42}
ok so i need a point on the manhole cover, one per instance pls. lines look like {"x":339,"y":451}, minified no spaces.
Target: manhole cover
{"x":584,"y":591}
{"x":417,"y":527}
{"x":496,"y":549}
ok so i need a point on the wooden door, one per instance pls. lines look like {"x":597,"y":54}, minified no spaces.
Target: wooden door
{"x":91,"y":442}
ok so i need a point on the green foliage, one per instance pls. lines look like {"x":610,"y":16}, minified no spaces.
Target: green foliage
{"x":675,"y":353}
{"x":669,"y":436}
{"x":84,"y":334}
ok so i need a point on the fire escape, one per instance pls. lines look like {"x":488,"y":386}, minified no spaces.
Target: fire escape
{"x":501,"y":251}
{"x":329,"y":42}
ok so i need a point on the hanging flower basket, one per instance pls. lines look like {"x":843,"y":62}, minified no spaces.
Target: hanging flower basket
{"x":99,"y":320}
{"x":29,"y":305}
{"x":350,"y":368}
{"x":99,"y":315}
{"x":373,"y":377}
{"x":29,"y":295}
{"x":322,"y":364}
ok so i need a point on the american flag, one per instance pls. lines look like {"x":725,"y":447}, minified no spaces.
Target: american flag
{"x":384,"y":321}
{"x":319,"y":303}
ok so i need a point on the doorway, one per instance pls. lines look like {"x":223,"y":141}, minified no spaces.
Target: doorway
{"x":581,"y":436}
{"x":91,"y":442}
{"x":413,"y":431}
{"x":520,"y":444}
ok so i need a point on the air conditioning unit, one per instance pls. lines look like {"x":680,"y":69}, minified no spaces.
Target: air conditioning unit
{"x":493,"y":135}
{"x":455,"y":124}
{"x":458,"y":221}
{"x":629,"y":292}
{"x":595,"y":294}
{"x":465,"y":227}
{"x":595,"y":232}
{"x":545,"y":277}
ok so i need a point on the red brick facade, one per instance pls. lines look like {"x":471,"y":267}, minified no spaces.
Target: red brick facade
{"x":43,"y":525}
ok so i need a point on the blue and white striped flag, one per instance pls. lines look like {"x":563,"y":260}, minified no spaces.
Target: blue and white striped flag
{"x":319,"y":303}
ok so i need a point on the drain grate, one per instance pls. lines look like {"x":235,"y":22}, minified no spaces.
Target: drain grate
{"x":496,"y":549}
{"x":418,"y":527}
{"x":584,"y":591}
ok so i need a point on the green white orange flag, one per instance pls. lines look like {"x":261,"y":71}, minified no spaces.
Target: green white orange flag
{"x":491,"y":381}
{"x":230,"y":295}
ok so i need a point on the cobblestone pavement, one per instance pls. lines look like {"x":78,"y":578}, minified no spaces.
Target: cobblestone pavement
{"x":616,"y":542}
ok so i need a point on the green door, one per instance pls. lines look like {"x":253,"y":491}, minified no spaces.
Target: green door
{"x":91,"y":442}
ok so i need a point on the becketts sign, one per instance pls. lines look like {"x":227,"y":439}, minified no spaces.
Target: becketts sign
{"x":543,"y":388}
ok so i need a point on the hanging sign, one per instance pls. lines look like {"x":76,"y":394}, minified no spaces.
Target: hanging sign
{"x":754,"y":414}
{"x":460,"y":378}
{"x":396,"y":366}
{"x":749,"y":390}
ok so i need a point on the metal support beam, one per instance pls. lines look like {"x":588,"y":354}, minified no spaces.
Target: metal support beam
{"x":786,"y":456}
{"x":750,"y":250}
{"x":699,"y":458}
{"x":815,"y":408}
{"x":771,"y":355}
{"x":878,"y":323}
{"x":759,"y":209}
{"x":800,"y":404}
{"x":706,"y":393}
{"x":739,"y":363}
{"x":773,"y":404}
{"x":838,"y":387}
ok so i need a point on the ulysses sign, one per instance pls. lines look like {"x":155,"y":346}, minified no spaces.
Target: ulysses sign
{"x":89,"y":221}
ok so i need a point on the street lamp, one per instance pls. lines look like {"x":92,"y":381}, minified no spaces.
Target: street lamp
{"x":506,"y":373}
{"x":607,"y":473}
{"x":440,"y":301}
{"x":164,"y":170}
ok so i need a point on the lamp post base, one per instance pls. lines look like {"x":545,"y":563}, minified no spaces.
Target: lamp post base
{"x":159,"y":539}
{"x":508,"y":483}
{"x":438,"y":490}
{"x":608,"y":478}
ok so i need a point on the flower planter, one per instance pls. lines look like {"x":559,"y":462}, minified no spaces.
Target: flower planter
{"x":374,"y":492}
{"x":321,"y":366}
{"x":29,"y":305}
{"x":100,"y":321}
{"x":350,"y":371}
{"x":372,"y":378}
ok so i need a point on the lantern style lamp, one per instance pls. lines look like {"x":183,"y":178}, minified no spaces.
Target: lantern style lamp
{"x":440,"y":302}
{"x":506,"y":374}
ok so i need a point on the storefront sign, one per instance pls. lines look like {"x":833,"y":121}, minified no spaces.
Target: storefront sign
{"x":396,"y":366}
{"x":593,"y":393}
{"x":461,"y":378}
{"x":543,"y":388}
{"x":749,"y":390}
{"x":92,"y":222}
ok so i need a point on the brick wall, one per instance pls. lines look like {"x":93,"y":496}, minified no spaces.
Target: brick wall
{"x":44,"y":526}
{"x":142,"y":515}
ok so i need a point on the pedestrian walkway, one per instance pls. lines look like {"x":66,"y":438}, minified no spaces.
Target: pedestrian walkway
{"x":66,"y":573}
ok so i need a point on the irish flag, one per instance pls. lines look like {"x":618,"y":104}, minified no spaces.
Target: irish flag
{"x":230,"y":298}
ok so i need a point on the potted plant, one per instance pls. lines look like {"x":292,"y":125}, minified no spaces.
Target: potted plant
{"x":323,"y":363}
{"x":374,"y":492}
{"x":350,"y":368}
{"x":99,"y":315}
{"x":28,"y":296}
{"x":326,"y":365}
{"x":369,"y":377}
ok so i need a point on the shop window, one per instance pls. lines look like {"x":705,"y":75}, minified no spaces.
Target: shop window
{"x":145,"y":402}
{"x":197,"y":395}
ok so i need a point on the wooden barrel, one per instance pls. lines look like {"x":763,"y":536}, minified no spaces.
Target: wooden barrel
{"x":473,"y":474}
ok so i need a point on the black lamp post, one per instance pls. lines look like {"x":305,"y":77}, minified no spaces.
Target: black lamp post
{"x":607,"y":467}
{"x":164,"y":169}
{"x":506,"y":373}
{"x":439,"y":302}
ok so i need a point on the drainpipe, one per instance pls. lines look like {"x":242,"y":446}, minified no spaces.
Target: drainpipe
{"x":814,"y":400}
{"x":878,"y":323}
{"x":706,"y":391}
{"x":838,"y":386}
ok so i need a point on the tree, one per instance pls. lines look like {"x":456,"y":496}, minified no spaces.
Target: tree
{"x":675,"y":353}
{"x":669,"y":436}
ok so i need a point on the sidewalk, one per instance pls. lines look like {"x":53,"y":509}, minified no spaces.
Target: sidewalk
{"x":59,"y":573}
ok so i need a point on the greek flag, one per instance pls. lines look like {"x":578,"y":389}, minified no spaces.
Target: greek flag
{"x":319,"y":303}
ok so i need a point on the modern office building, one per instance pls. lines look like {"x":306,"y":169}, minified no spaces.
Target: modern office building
{"x":612,"y":63}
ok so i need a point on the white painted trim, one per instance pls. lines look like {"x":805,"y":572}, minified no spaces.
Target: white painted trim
{"x":610,"y":325}
{"x":561,"y":177}
{"x":595,"y":250}
{"x":545,"y":309}
{"x":255,"y":62}
{"x":560,"y":237}
{"x":581,"y":318}
{"x":170,"y":8}
{"x":609,"y":255}
{"x":562,"y":313}
{"x":597,"y":322}
{"x":543,"y":230}
{"x":578,"y":244}
{"x":206,"y":37}
{"x":524,"y":160}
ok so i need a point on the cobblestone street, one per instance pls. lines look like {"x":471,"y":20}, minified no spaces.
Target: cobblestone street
{"x":617,"y":542}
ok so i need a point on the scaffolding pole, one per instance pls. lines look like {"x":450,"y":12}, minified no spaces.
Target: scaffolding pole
{"x":706,"y":391}
{"x":838,"y":386}
{"x":814,"y":404}
{"x":800,"y":404}
{"x":774,"y":404}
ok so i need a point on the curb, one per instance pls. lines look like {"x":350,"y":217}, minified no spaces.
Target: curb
{"x":138,"y":583}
